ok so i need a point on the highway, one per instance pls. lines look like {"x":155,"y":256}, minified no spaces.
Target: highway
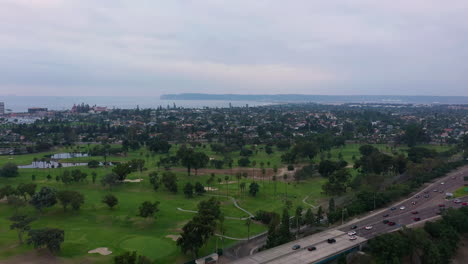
{"x":427,"y":204}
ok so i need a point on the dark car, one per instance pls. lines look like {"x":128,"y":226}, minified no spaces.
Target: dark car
{"x":311,"y":248}
{"x":331,"y":240}
{"x":393,"y":208}
{"x":391,"y":223}
{"x":414,"y":212}
{"x":441,"y":205}
{"x":295,"y":247}
{"x":417,"y":218}
{"x":385,"y":215}
{"x":385,"y":221}
{"x":354,"y":227}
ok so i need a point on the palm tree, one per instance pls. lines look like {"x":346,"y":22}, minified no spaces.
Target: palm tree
{"x":238,"y":176}
{"x":285,"y":177}
{"x":226,"y":178}
{"x":254,"y":163}
{"x":248,"y":222}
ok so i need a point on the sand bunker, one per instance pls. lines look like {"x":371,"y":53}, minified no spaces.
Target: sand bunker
{"x":173,"y":237}
{"x":136,"y":180}
{"x":210,"y":189}
{"x":230,"y":182}
{"x":102,"y":250}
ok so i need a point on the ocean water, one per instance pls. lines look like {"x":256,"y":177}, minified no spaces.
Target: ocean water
{"x":22,"y":103}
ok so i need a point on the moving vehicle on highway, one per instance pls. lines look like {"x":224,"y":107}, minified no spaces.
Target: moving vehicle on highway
{"x":352,"y":237}
{"x":331,"y":240}
{"x":457,"y":201}
{"x":402,"y":208}
{"x":417,"y":219}
{"x":385,"y":221}
{"x":351,"y":233}
{"x":311,"y":248}
{"x":354,"y":227}
{"x":296,"y":247}
{"x":391,"y":223}
{"x":386,"y":215}
{"x":368,"y":227}
{"x":414,"y":212}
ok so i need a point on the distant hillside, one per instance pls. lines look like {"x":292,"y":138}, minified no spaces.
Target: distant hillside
{"x":321,"y":98}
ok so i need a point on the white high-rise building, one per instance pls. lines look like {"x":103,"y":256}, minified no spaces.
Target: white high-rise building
{"x":2,"y":108}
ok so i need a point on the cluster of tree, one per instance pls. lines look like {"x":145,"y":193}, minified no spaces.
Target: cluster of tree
{"x":337,"y":182}
{"x":189,"y":158}
{"x":169,"y":180}
{"x":189,"y":189}
{"x":73,"y":198}
{"x":74,"y":176}
{"x":278,"y":231}
{"x":9,"y":170}
{"x":436,"y":243}
{"x":148,"y":209}
{"x":158,"y":145}
{"x":374,"y":161}
{"x":197,"y":231}
{"x":414,"y":134}
{"x":51,"y":238}
{"x":327,"y":167}
{"x":23,"y":190}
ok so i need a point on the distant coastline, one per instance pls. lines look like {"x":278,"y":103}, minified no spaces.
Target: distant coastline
{"x":285,"y":98}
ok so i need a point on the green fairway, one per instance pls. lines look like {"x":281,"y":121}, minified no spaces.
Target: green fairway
{"x":122,"y":230}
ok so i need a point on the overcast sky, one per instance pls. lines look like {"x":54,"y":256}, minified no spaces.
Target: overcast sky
{"x":152,"y":47}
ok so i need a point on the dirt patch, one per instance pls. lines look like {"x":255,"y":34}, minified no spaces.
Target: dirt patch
{"x":136,"y":180}
{"x":173,"y":237}
{"x":102,"y":250}
{"x":210,"y":189}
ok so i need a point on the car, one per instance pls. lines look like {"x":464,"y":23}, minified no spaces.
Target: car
{"x":354,"y":227}
{"x":386,"y":215}
{"x":352,"y":237}
{"x":441,"y":191}
{"x":351,"y":233}
{"x":311,"y":248}
{"x":385,"y":221}
{"x":417,"y":196}
{"x":368,"y":227}
{"x":435,"y":190}
{"x":426,"y":196}
{"x":391,"y":223}
{"x":393,"y":208}
{"x":464,"y":203}
{"x":331,"y":240}
{"x":439,"y":212}
{"x":442,"y":183}
{"x":417,"y":219}
{"x":457,"y":201}
{"x":414,"y":212}
{"x":296,"y":247}
{"x":441,"y":205}
{"x":402,"y":208}
{"x":413,"y":203}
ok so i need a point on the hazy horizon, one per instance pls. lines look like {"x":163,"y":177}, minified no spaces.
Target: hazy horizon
{"x":150,"y":48}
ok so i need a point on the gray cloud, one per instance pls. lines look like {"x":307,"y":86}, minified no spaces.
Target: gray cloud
{"x":86,"y":47}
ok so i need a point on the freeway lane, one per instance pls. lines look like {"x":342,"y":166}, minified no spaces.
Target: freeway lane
{"x":427,"y":208}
